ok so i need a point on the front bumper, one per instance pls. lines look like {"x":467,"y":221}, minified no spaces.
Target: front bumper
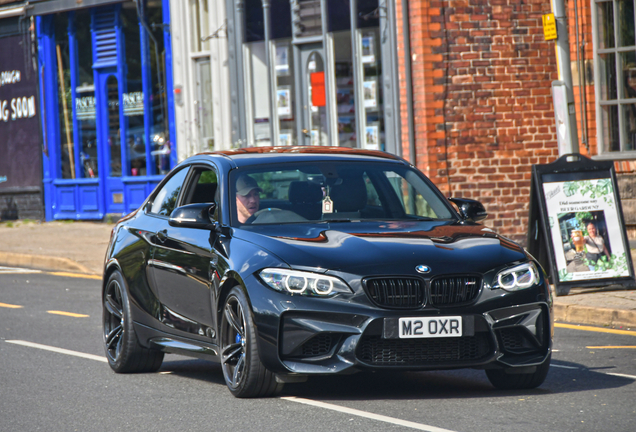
{"x":300,"y":335}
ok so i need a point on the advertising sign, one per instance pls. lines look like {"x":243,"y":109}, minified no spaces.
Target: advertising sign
{"x":576,"y":224}
{"x":20,"y":142}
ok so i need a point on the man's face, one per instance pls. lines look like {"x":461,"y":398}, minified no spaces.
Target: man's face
{"x":247,"y":205}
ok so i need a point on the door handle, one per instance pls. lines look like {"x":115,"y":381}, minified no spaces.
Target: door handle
{"x":162,"y":235}
{"x":306,"y":133}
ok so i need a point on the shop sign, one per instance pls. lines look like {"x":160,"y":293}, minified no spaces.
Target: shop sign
{"x":576,"y":224}
{"x":318,"y":97}
{"x":21,"y":144}
{"x":133,"y":105}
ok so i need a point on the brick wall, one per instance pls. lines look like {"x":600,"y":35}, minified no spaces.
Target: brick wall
{"x":482,"y":73}
{"x":21,"y":204}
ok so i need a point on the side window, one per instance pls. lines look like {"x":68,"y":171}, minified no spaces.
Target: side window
{"x":203,"y":186}
{"x":166,"y":200}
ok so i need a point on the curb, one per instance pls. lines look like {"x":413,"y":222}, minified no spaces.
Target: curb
{"x":42,"y":262}
{"x":594,"y":315}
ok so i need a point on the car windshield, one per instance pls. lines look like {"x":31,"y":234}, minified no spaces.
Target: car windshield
{"x":341,"y":191}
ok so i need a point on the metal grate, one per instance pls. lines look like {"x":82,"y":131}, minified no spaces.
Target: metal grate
{"x":447,"y":291}
{"x":317,"y":346}
{"x":105,"y":37}
{"x":374,"y":350}
{"x":514,"y":340}
{"x":400,"y":293}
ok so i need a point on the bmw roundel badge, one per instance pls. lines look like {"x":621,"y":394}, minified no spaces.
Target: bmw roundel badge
{"x":422,"y":268}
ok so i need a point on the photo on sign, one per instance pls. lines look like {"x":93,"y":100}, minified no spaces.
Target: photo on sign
{"x":586,"y":245}
{"x":372,"y":138}
{"x":283,"y":101}
{"x":370,"y":100}
{"x":585,"y":230}
{"x":285,"y":138}
{"x":282,"y":60}
{"x":368,"y":54}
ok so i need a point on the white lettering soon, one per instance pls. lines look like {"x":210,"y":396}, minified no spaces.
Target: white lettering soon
{"x":23,"y":107}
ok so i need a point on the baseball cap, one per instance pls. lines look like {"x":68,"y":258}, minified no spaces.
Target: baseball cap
{"x":245,"y":184}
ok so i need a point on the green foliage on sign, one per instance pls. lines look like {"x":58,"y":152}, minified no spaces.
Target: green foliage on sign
{"x":564,"y":275}
{"x":617,"y":264}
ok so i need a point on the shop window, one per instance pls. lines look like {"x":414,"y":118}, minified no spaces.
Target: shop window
{"x":339,"y":15}
{"x":84,"y":103}
{"x":159,"y":132}
{"x":316,"y":91}
{"x":369,"y":49}
{"x":133,"y":96}
{"x":256,"y":71}
{"x":345,"y":90}
{"x":285,"y":93}
{"x":615,"y":79}
{"x":203,"y":104}
{"x":65,"y":105}
{"x":199,"y":25}
{"x":307,"y":18}
{"x":114,"y":130}
{"x":254,"y":21}
{"x":281,"y":19}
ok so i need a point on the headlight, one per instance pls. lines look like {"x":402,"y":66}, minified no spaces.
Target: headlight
{"x":303,"y":283}
{"x":517,"y":278}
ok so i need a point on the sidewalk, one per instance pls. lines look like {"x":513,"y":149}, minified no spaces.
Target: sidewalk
{"x":80,"y":247}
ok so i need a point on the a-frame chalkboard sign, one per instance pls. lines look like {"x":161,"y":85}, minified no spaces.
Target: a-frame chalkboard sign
{"x":575,"y":226}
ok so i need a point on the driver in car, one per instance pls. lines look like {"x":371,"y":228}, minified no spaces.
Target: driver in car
{"x":248,"y":197}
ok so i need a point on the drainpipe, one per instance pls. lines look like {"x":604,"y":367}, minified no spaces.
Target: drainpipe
{"x":406,"y":34}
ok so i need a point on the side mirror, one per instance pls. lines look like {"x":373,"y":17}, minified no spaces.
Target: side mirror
{"x":470,"y":210}
{"x":198,"y":215}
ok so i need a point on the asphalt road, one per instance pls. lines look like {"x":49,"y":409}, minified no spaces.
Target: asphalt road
{"x":590,"y":387}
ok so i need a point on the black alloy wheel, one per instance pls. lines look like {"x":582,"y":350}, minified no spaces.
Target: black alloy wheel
{"x":243,"y":371}
{"x":123,"y":351}
{"x":511,"y":381}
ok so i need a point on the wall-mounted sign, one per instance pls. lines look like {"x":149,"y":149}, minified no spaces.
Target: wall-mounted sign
{"x":20,"y":141}
{"x":576,"y":224}
{"x":549,"y":26}
{"x":318,"y":97}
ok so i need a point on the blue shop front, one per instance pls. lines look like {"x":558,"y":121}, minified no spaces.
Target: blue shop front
{"x":108,"y":116}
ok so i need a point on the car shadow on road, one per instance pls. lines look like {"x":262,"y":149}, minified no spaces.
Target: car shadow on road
{"x":564,"y":377}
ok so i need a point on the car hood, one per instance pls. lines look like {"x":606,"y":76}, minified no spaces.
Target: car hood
{"x":386,"y":248}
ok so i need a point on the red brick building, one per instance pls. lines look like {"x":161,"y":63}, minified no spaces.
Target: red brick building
{"x":482,"y":104}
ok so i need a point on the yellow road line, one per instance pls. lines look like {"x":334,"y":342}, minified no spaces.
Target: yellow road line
{"x":71,"y":314}
{"x":76,"y":275}
{"x":10,"y":306}
{"x":612,"y":347}
{"x":595,"y":329}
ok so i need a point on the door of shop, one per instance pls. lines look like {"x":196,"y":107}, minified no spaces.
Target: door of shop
{"x":314,"y":119}
{"x":109,"y":138}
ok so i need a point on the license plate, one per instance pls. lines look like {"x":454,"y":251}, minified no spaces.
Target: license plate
{"x":450,"y":326}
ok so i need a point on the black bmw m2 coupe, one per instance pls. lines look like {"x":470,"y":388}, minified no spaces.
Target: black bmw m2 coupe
{"x":285,"y":262}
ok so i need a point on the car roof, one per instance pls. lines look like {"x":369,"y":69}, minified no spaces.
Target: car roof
{"x":259,"y":155}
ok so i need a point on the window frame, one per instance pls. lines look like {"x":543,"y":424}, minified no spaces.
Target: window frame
{"x":620,"y":100}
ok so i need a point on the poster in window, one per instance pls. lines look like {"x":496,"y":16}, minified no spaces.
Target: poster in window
{"x":283,"y":101}
{"x":370,"y":94}
{"x":315,"y":137}
{"x":282,"y":60}
{"x":285,"y":138}
{"x":585,"y":229}
{"x":372,"y":138}
{"x":368,"y":50}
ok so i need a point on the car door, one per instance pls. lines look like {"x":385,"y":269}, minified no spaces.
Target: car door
{"x":183,"y":262}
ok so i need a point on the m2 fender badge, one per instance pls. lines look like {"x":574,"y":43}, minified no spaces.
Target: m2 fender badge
{"x":422,"y":268}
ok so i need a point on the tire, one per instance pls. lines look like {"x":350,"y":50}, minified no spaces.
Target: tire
{"x":504,"y":381}
{"x":243,"y":371}
{"x":123,"y":351}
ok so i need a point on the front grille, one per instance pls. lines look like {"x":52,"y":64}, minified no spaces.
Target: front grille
{"x":376,"y":351}
{"x":399,"y":293}
{"x":454,"y":290}
{"x":317,"y":346}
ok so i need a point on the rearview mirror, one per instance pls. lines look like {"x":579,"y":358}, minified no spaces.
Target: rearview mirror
{"x":470,"y":210}
{"x":198,"y":215}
